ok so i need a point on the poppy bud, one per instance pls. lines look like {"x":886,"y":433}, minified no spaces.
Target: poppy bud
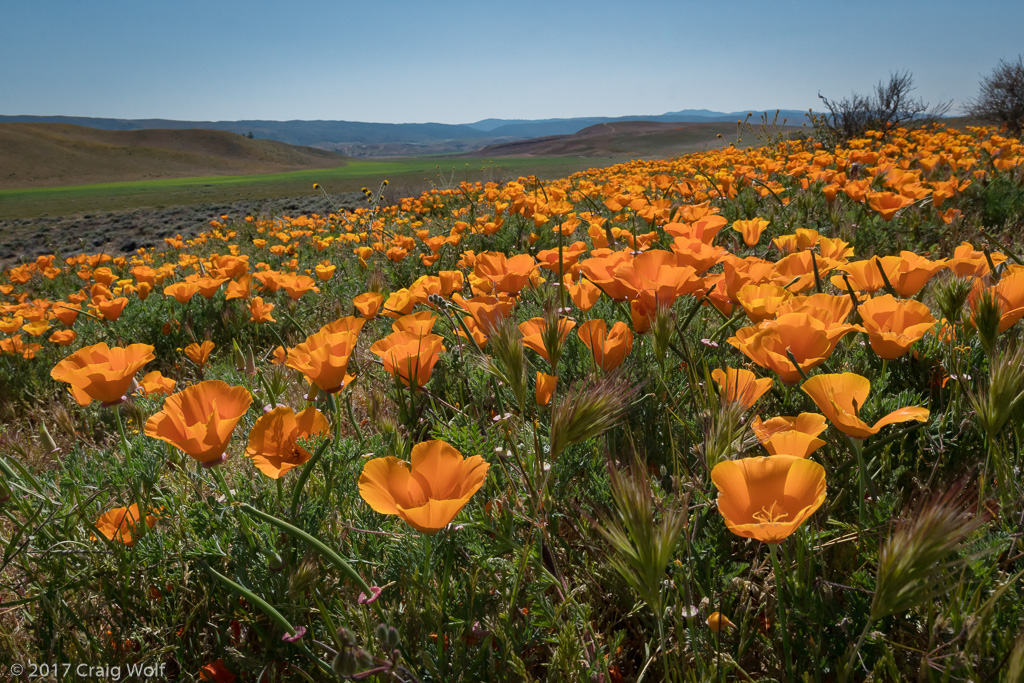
{"x":717,"y":620}
{"x":388,"y":636}
{"x":345,"y":663}
{"x":46,"y":440}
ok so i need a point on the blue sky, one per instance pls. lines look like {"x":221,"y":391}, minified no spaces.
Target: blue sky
{"x":458,"y":62}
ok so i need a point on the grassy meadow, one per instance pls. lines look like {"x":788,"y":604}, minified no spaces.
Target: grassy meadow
{"x":413,"y":174}
{"x":743,"y":415}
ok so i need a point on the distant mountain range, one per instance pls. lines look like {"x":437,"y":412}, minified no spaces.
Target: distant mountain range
{"x":355,"y":138}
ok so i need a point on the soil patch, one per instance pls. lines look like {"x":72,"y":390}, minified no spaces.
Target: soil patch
{"x":122,"y":232}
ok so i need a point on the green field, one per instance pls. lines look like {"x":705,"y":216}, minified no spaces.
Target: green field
{"x":406,"y":176}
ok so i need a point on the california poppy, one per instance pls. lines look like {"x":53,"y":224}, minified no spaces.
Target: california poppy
{"x":273,"y":440}
{"x":768,"y":498}
{"x":893,"y":325}
{"x":120,"y":523}
{"x":111,"y":309}
{"x":887,"y":204}
{"x":419,"y":323}
{"x":408,"y":356}
{"x":323,"y":359}
{"x":790,"y":435}
{"x":545,"y":387}
{"x":102,"y":373}
{"x":741,"y":386}
{"x":537,"y":337}
{"x":841,"y":397}
{"x":751,"y":230}
{"x":200,"y":419}
{"x":260,"y":311}
{"x":181,"y":291}
{"x":809,"y":340}
{"x":154,"y":383}
{"x":428,"y":493}
{"x":609,"y":348}
{"x":199,"y":353}
{"x":368,"y":304}
{"x":762,"y":301}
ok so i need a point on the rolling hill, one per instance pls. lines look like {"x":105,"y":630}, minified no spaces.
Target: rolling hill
{"x":648,"y":139}
{"x":51,"y":154}
{"x":363,"y":139}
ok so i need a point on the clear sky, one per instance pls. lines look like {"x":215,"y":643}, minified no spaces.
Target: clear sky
{"x":461,"y":61}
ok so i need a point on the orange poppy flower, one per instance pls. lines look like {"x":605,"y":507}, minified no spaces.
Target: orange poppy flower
{"x":583,"y":293}
{"x":535,"y":336}
{"x":208,"y":286}
{"x":408,"y":356}
{"x":969,"y":261}
{"x":119,"y":524}
{"x":809,"y":340}
{"x":506,"y":274}
{"x":716,"y":621}
{"x":260,"y":311}
{"x":429,"y":493}
{"x":768,"y":498}
{"x":181,"y":291}
{"x":296,"y":286}
{"x":545,"y":387}
{"x":751,"y":230}
{"x":325,"y":271}
{"x":451,"y":281}
{"x":762,"y":301}
{"x":274,"y":439}
{"x":608,"y":348}
{"x":696,"y":254}
{"x":63,"y":337}
{"x":826,"y":308}
{"x":154,"y":384}
{"x":36,"y":328}
{"x":487,"y":311}
{"x":67,"y":313}
{"x":548,"y":258}
{"x":791,"y":435}
{"x":11,"y":325}
{"x":200,"y":419}
{"x":199,"y":353}
{"x":323,"y":359}
{"x":102,"y":373}
{"x":111,"y":309}
{"x":368,"y":304}
{"x":349,"y":323}
{"x":655,"y":278}
{"x":1009,"y":293}
{"x":240,"y":288}
{"x":216,"y":672}
{"x":893,"y":325}
{"x":741,"y":386}
{"x":887,"y":204}
{"x":841,"y":396}
{"x":419,"y":323}
{"x":399,"y":303}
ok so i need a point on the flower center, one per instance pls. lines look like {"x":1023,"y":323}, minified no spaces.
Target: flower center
{"x":770,"y":515}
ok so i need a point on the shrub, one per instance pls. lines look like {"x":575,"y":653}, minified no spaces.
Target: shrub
{"x":889,"y":107}
{"x":1002,"y":96}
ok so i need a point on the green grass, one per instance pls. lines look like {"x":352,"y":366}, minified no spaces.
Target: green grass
{"x":417,"y":172}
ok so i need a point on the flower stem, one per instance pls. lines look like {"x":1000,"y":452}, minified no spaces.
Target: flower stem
{"x":304,"y":475}
{"x":120,"y":430}
{"x":779,"y":579}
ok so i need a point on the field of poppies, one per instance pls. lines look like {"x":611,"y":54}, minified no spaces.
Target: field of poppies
{"x":742,"y":415}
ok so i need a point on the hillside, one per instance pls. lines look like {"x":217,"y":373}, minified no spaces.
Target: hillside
{"x":364,"y":139}
{"x":51,"y":154}
{"x":649,"y":139}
